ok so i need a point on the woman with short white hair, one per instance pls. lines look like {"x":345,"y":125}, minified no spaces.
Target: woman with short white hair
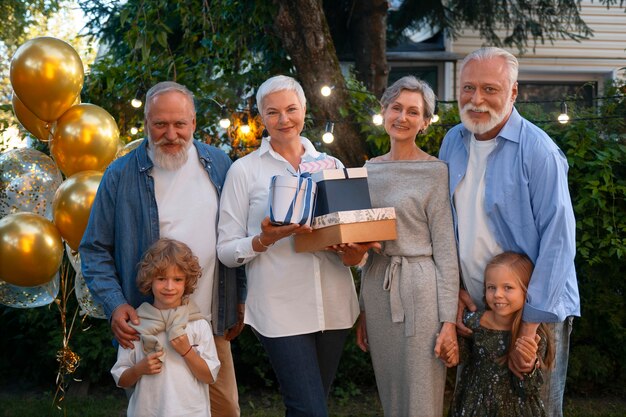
{"x":301,"y":306}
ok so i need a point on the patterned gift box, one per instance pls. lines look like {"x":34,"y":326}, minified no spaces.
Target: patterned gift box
{"x":371,"y":225}
{"x":353,"y":216}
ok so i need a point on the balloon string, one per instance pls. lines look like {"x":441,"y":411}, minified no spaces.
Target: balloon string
{"x":68,"y":359}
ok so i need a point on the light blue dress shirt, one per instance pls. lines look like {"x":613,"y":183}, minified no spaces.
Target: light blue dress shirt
{"x":529,"y":210}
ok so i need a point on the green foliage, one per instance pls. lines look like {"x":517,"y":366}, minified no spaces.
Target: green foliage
{"x":596,"y":151}
{"x":355,"y":371}
{"x":431,"y":140}
{"x":18,"y":15}
{"x":251,"y":362}
{"x":32,"y":338}
{"x":219,"y":49}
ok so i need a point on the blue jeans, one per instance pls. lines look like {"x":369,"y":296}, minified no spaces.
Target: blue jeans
{"x":554,"y":380}
{"x":305,"y":366}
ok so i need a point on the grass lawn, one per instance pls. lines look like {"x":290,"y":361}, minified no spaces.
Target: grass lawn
{"x":110,"y":402}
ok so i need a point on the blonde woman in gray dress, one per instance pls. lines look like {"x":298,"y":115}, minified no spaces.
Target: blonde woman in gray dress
{"x":409,"y":288}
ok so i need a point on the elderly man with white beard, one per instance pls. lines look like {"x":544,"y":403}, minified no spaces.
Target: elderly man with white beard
{"x":168,"y":187}
{"x":509,"y":192}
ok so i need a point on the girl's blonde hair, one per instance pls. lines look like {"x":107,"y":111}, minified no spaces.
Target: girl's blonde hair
{"x":165,"y":253}
{"x":522,"y":268}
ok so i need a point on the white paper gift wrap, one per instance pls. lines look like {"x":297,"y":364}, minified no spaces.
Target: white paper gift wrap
{"x":292,"y":199}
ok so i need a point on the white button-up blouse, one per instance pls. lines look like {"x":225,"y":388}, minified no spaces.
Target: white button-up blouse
{"x":289,"y":293}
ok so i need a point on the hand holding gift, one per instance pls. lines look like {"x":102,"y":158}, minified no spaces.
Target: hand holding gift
{"x":353,"y":254}
{"x":271,"y":234}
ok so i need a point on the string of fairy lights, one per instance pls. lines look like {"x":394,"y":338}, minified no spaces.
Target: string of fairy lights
{"x":377,"y":118}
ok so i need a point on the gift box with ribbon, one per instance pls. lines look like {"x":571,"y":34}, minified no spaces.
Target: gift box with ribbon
{"x":341,"y":190}
{"x":354,"y":226}
{"x":317,"y":165}
{"x":292,"y":199}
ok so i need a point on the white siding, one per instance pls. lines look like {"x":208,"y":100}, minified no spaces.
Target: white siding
{"x":595,"y":59}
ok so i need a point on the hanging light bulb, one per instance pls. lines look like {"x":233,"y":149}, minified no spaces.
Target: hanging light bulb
{"x":224,"y":123}
{"x":328,"y":136}
{"x":563,"y":117}
{"x":245,"y":127}
{"x":377,"y":119}
{"x":136,"y":101}
{"x":134,"y":130}
{"x":326,"y":90}
{"x":224,"y":120}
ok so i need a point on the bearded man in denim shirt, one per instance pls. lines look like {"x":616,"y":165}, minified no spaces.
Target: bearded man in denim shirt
{"x":508,"y":186}
{"x":168,"y":187}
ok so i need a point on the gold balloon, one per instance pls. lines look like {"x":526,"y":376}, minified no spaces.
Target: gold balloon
{"x":47,"y":75}
{"x":128,"y":147}
{"x":34,"y":125}
{"x":72,"y":205}
{"x":31,"y":249}
{"x":86,"y":138}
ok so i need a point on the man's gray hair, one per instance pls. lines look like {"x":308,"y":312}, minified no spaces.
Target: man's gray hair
{"x":279,"y":83}
{"x":490,"y":52}
{"x":410,"y":83}
{"x":166,"y":87}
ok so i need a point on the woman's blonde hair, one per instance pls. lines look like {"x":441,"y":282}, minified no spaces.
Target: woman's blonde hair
{"x":522,"y":268}
{"x":165,"y":253}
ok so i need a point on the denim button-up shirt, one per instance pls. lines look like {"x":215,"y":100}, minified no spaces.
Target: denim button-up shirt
{"x":124,"y":222}
{"x":529,"y":210}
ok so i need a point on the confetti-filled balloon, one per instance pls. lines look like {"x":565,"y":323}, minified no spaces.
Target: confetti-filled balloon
{"x":29,"y":297}
{"x":28,"y":181}
{"x":31,"y":249}
{"x":86,"y":302}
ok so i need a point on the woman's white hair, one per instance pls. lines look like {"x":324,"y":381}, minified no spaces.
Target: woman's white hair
{"x":279,"y":83}
{"x":410,"y":83}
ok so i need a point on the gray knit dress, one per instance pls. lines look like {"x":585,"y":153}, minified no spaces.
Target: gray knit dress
{"x":412,"y":287}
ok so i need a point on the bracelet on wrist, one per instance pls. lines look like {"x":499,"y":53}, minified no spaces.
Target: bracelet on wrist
{"x":258,"y":238}
{"x":188,"y":350}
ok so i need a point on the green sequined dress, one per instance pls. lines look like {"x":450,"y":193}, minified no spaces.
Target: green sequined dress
{"x":488,"y":389}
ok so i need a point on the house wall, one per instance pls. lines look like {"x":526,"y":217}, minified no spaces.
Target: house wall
{"x":596,"y":59}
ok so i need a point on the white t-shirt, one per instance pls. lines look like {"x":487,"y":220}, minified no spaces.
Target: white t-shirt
{"x":477,"y":245}
{"x":289,"y":293}
{"x":188,"y":205}
{"x":174,"y":391}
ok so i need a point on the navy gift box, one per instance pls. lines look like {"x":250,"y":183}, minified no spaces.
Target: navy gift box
{"x":341,"y":190}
